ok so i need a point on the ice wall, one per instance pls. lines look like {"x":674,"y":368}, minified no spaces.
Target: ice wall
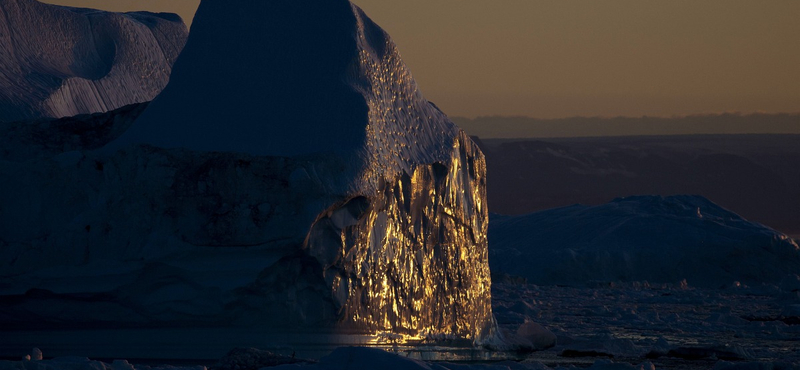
{"x":61,"y":61}
{"x":291,"y":177}
{"x":411,"y":259}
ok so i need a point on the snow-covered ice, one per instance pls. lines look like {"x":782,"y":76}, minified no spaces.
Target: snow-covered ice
{"x":60,"y":61}
{"x":290,"y":178}
{"x":642,"y":238}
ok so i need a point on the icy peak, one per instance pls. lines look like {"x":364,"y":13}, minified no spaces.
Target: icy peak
{"x":61,"y":61}
{"x":292,"y":78}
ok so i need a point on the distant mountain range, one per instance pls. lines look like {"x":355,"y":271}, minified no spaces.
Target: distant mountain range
{"x":726,"y":123}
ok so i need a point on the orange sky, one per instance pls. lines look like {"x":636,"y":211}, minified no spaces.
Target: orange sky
{"x":561,"y":58}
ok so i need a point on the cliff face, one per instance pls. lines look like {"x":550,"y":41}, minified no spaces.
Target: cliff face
{"x":60,"y":61}
{"x":306,"y":186}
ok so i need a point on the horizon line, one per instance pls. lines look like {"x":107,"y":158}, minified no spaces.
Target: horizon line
{"x":610,"y":117}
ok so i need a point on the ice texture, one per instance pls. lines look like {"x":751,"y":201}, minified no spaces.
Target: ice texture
{"x":642,"y":238}
{"x":44,"y":138}
{"x":291,"y":178}
{"x":292,"y":78}
{"x":60,"y":61}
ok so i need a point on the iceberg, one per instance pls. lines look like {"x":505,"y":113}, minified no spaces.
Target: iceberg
{"x":60,"y":61}
{"x":642,"y":238}
{"x":290,"y":181}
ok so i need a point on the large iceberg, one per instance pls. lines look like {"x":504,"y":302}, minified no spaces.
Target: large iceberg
{"x":60,"y":61}
{"x":290,"y":178}
{"x":642,"y":238}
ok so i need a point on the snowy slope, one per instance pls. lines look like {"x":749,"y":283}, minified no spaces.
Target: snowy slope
{"x":60,"y":61}
{"x":642,"y":238}
{"x":290,"y":178}
{"x":283,"y":80}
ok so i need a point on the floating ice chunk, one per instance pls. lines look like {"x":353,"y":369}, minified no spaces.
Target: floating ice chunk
{"x":530,"y":336}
